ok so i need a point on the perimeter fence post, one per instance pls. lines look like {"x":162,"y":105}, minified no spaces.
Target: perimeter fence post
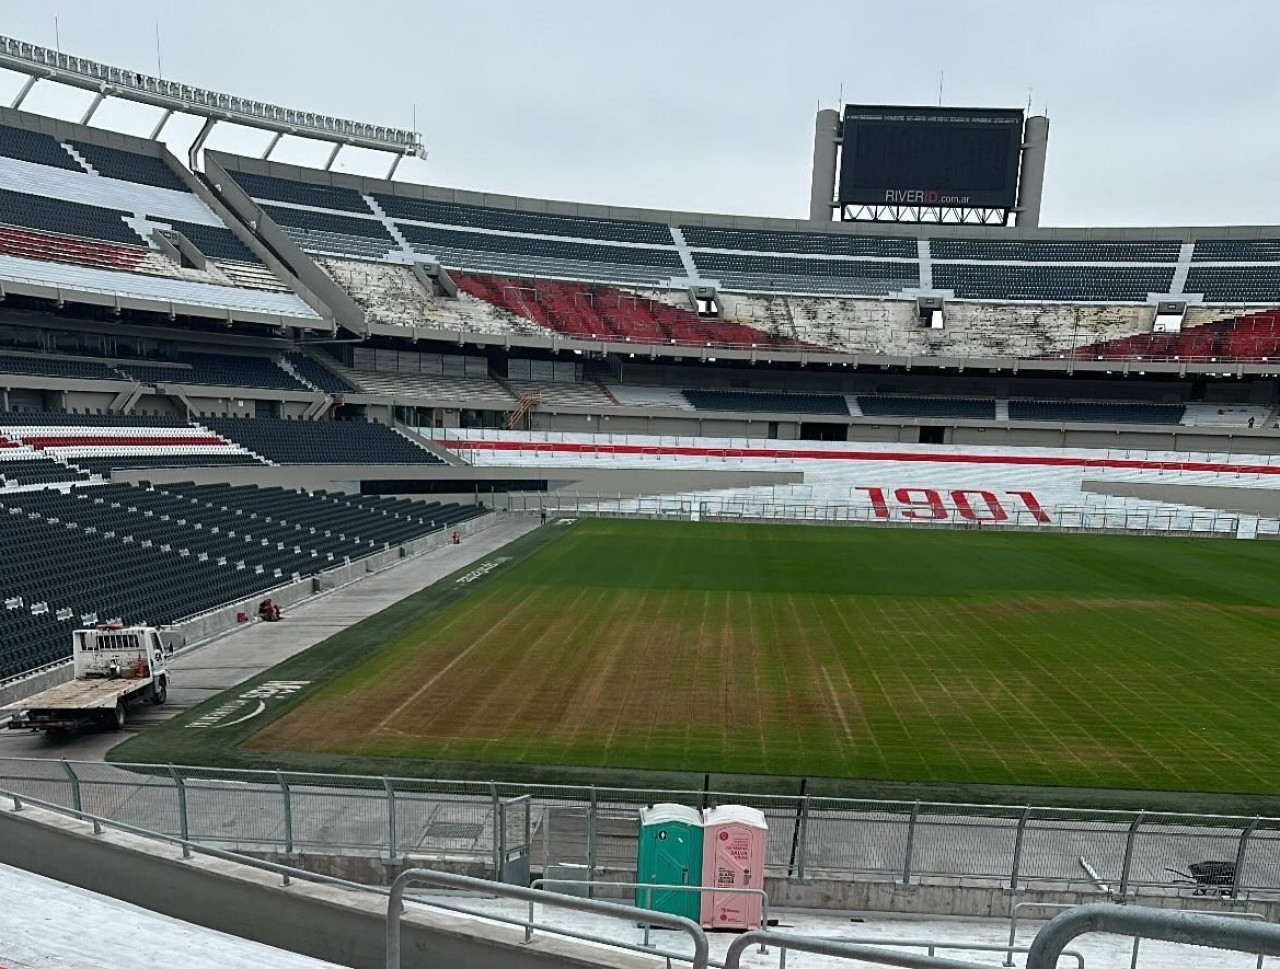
{"x":802,"y":837}
{"x":1017,"y":848}
{"x":393,"y":845}
{"x":497,"y":831}
{"x":911,"y":841}
{"x":591,"y":839}
{"x":1240,"y":850}
{"x":75,"y":784}
{"x":183,"y":822}
{"x":286,"y":804}
{"x":1128,"y":853}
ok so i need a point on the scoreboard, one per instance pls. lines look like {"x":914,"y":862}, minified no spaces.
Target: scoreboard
{"x":921,"y":156}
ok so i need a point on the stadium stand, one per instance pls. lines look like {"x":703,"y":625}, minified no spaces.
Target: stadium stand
{"x":321,"y":442}
{"x":83,"y":444}
{"x":78,"y":215}
{"x":873,"y":405}
{"x":809,"y":243}
{"x":161,"y":555}
{"x":758,"y":401}
{"x":603,"y":312}
{"x":1052,"y":251}
{"x":317,"y":374}
{"x":403,"y":208}
{"x":267,"y":188}
{"x":786,"y":273}
{"x":1045,"y":282}
{"x":128,"y":166}
{"x":58,"y":367}
{"x":1254,"y":336}
{"x":1100,"y":411}
{"x":215,"y":370}
{"x":35,"y":147}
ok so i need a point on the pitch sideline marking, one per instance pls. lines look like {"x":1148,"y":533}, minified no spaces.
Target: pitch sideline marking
{"x":835,"y":699}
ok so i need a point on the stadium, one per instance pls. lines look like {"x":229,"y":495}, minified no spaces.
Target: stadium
{"x":932,"y":544}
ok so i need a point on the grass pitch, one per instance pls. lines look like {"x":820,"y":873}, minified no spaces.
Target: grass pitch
{"x":909,"y":655}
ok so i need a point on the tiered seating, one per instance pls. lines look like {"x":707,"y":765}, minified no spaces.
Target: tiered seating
{"x":437,"y":388}
{"x":794,"y":274}
{"x":1252,"y":337}
{"x":214,"y":370}
{"x":270,"y":188}
{"x":214,"y":241}
{"x":602,"y":312}
{"x":317,"y":374}
{"x":46,"y":214}
{"x":1234,"y":284}
{"x":129,"y":166}
{"x":25,"y":466}
{"x":159,"y":556}
{"x":1047,"y":282}
{"x":875,"y":405}
{"x":329,"y":232}
{"x":585,"y":394}
{"x":57,"y":367}
{"x":100,"y":444}
{"x":400,"y":207}
{"x":321,"y":442}
{"x":767,"y":402}
{"x":1110,"y":412}
{"x":820,"y":243}
{"x":1043,"y":250}
{"x":632,"y":395}
{"x":91,"y":228}
{"x":52,"y":247}
{"x":35,"y":147}
{"x":1236,"y":250}
{"x":29,"y":642}
{"x":478,"y":250}
{"x":390,"y":293}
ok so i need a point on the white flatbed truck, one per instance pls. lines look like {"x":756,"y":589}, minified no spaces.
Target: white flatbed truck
{"x":114,"y":667}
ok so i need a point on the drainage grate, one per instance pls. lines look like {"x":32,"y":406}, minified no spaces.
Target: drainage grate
{"x":470,"y":830}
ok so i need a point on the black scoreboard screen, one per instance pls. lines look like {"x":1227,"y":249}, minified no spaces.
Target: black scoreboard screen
{"x":959,"y":157}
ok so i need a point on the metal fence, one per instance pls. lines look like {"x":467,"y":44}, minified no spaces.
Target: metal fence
{"x":488,"y":825}
{"x":1165,"y":520}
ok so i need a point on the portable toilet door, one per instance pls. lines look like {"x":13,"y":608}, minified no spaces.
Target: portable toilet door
{"x":669,"y":853}
{"x":733,"y":853}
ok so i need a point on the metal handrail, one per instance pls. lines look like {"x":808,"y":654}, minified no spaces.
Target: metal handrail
{"x":932,"y":944}
{"x":841,"y":950}
{"x":1011,"y":948}
{"x":423,"y":876}
{"x":288,"y":873}
{"x":1190,"y":928}
{"x":649,"y":887}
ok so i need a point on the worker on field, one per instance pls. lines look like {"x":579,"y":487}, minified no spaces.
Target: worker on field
{"x":268,"y":611}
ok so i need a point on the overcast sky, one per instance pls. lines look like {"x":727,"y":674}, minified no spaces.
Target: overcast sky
{"x":1163,"y":112}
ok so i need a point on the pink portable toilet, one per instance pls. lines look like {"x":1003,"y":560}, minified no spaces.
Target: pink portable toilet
{"x":733,"y":845}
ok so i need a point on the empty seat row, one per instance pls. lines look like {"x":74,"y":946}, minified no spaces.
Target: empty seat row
{"x":321,"y":442}
{"x":511,"y":220}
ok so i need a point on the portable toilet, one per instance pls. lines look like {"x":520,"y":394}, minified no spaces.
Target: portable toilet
{"x":733,"y":853}
{"x":669,"y":853}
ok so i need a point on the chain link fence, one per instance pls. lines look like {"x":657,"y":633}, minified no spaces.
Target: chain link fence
{"x":595,"y":829}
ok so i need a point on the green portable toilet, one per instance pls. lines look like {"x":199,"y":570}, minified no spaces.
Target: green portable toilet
{"x":670,"y":853}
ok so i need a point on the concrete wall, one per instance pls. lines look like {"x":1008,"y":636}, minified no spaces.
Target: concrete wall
{"x":337,"y":925}
{"x":1250,"y":501}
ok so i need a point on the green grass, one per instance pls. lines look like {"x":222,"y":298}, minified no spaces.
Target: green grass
{"x":909,"y":657}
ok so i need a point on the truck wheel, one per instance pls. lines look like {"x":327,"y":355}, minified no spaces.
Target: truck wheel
{"x":160,"y":691}
{"x":115,"y":719}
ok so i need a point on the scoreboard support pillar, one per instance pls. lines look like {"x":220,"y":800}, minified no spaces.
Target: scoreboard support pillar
{"x":1035,"y":149}
{"x":826,"y":141}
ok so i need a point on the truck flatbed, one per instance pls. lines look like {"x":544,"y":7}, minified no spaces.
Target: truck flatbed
{"x":96,"y":694}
